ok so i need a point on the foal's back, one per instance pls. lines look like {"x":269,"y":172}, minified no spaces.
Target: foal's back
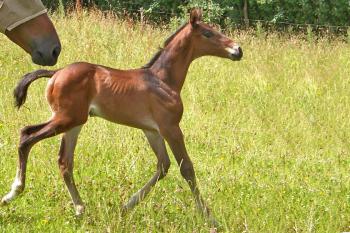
{"x":120,"y":96}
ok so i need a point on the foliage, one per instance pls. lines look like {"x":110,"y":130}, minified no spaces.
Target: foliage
{"x":324,"y":12}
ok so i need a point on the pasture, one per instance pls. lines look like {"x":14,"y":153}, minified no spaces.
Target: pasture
{"x":268,"y":136}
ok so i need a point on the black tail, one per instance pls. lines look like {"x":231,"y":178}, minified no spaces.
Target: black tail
{"x":20,"y":92}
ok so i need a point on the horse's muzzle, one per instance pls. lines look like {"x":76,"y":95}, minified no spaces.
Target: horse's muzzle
{"x":46,"y":55}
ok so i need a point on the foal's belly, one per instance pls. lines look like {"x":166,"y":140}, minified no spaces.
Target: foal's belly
{"x":126,"y":112}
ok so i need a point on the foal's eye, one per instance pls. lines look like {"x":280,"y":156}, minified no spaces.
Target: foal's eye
{"x":208,"y":34}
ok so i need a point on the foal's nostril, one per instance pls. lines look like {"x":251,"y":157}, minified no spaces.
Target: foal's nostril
{"x":236,"y":52}
{"x":240,"y":52}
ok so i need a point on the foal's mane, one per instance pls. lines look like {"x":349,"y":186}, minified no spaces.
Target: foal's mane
{"x":161,"y":49}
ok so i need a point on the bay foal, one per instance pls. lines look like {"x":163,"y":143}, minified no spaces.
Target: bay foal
{"x":147,"y":98}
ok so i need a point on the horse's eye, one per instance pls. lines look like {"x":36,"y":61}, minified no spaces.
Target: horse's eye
{"x":208,"y":34}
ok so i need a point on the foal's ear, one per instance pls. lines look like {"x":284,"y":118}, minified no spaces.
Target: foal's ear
{"x":195,"y":16}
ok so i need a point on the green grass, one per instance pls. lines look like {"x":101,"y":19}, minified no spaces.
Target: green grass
{"x":268,"y":136}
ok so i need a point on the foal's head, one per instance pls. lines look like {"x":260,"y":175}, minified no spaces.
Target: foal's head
{"x":208,"y":41}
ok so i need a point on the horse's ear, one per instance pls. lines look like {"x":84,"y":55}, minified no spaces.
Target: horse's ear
{"x":195,"y":16}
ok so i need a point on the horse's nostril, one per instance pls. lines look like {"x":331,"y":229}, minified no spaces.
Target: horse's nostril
{"x":56,"y":52}
{"x":39,"y":54}
{"x":46,"y":54}
{"x":46,"y":58}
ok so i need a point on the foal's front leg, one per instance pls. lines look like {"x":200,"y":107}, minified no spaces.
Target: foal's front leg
{"x":173,"y":135}
{"x":158,"y":146}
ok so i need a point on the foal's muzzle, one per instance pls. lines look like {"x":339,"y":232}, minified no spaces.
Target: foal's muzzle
{"x":235,"y":52}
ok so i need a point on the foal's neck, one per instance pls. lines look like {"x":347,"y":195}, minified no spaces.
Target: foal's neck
{"x":172,"y":65}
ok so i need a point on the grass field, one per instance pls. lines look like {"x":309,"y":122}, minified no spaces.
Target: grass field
{"x":268,"y":136}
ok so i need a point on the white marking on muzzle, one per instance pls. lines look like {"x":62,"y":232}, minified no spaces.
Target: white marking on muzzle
{"x":231,"y":50}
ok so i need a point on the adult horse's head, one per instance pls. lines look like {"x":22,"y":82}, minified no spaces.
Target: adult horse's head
{"x":26,"y":23}
{"x":208,"y":41}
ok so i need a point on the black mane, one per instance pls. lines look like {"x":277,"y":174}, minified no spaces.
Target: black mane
{"x":161,"y":49}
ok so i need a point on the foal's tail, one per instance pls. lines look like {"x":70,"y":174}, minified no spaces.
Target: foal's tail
{"x":20,"y":92}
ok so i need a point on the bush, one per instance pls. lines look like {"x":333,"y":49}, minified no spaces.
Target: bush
{"x":224,"y":12}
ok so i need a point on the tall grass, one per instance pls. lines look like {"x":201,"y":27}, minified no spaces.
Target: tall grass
{"x":268,"y":136}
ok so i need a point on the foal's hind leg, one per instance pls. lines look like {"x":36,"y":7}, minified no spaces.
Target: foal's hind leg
{"x":158,"y":146}
{"x":174,"y":136}
{"x":29,"y":136}
{"x":65,"y":163}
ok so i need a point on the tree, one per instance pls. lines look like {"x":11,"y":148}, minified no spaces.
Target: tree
{"x":78,"y":5}
{"x":245,"y":13}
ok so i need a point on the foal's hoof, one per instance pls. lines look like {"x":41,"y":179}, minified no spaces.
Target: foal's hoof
{"x":215,"y":225}
{"x":124,"y":210}
{"x":79,"y":210}
{"x":213,"y":222}
{"x":3,"y":202}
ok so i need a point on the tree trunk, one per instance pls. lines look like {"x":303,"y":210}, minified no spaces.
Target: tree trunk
{"x":245,"y":13}
{"x":78,"y":5}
